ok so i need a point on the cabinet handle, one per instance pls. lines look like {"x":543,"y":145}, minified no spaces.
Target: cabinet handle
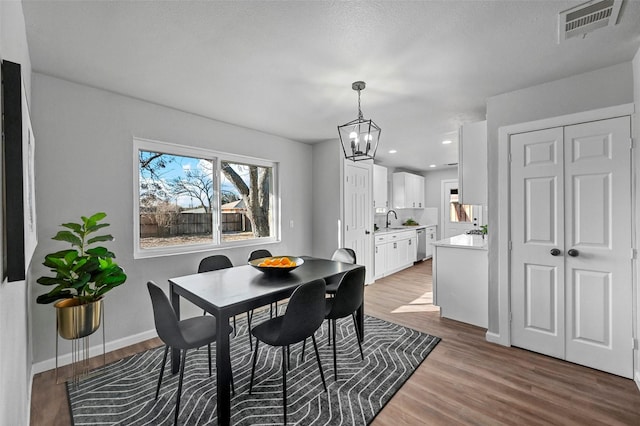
{"x":386,"y":203}
{"x":409,"y":242}
{"x":376,"y":250}
{"x":395,"y":245}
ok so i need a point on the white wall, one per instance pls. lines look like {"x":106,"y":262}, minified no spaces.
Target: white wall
{"x":327,"y":197}
{"x":84,"y":164}
{"x":635,"y":125}
{"x":432,"y":185}
{"x":596,"y":89}
{"x":15,"y":351}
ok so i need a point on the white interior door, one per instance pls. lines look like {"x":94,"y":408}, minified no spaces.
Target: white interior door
{"x":537,"y":228}
{"x":358,"y":214}
{"x":571,"y":244}
{"x":598,"y":230}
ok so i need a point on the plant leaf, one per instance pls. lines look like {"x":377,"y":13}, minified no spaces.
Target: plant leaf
{"x":68,"y":237}
{"x":100,"y":252}
{"x":75,"y":227}
{"x":96,"y":227}
{"x":100,"y":238}
{"x":52,"y":281}
{"x":49,"y":298}
{"x":98,"y":216}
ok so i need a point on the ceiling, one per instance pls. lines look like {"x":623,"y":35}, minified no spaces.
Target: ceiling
{"x":286,"y":67}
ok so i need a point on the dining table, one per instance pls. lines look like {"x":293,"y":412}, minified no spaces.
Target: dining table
{"x":227,"y":292}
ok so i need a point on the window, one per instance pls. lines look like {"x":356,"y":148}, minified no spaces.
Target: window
{"x":189,"y":199}
{"x":459,"y":212}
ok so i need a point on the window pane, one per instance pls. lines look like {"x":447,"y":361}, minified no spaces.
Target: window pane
{"x":176,"y":200}
{"x":458,"y":212}
{"x":246,"y":201}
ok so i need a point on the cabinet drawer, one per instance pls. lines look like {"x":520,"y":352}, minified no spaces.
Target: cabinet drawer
{"x":379,"y":239}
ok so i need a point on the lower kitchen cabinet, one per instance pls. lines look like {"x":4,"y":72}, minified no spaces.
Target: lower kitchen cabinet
{"x":394,"y":251}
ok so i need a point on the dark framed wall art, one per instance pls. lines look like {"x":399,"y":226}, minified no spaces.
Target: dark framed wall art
{"x":19,"y":210}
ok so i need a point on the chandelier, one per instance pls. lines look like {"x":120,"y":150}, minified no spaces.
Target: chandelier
{"x":360,"y":137}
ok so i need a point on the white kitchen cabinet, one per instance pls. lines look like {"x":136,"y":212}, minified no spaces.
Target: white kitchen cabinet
{"x":460,"y":279}
{"x":472,"y":164}
{"x":380,"y":258}
{"x":394,"y":251}
{"x":408,"y":191}
{"x":431,"y":237}
{"x":380,"y":193}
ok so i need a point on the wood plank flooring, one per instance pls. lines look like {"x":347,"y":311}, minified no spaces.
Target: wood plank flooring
{"x":465,"y":380}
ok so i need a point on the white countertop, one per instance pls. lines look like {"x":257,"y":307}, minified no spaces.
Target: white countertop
{"x":402,"y":228}
{"x":475,"y":242}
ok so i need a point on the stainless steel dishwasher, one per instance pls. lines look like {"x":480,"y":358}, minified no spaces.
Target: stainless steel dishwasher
{"x":422,"y":243}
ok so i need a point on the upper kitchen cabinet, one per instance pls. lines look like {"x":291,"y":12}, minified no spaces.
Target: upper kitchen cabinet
{"x":472,"y":164}
{"x":408,"y":191}
{"x":380,"y":194}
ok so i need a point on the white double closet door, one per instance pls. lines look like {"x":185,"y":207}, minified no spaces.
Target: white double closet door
{"x":571,"y":239}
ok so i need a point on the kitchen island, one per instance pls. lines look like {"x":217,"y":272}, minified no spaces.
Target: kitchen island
{"x":460,"y":278}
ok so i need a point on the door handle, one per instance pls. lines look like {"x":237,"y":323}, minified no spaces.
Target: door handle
{"x":555,"y":252}
{"x":573,"y":253}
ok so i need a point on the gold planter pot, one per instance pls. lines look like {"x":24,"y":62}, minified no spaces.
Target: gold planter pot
{"x":76,"y":320}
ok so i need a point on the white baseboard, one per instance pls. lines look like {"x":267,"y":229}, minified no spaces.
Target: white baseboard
{"x":493,"y":338}
{"x":636,"y":378}
{"x":95,"y":350}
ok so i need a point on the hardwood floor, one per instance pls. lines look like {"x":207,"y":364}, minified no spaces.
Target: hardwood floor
{"x":465,"y":380}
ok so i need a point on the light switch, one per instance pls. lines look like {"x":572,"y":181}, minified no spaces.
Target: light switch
{"x":291,"y":223}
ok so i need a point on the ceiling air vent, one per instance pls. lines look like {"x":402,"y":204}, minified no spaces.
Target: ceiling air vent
{"x":588,"y":17}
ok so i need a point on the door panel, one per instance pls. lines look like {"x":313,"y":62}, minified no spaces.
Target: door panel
{"x":537,"y":277}
{"x":598,"y":222}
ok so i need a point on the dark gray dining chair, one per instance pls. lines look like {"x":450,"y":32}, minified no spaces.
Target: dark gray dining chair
{"x":259,"y":254}
{"x":348,"y":298}
{"x":304,"y":315}
{"x":182,"y":335}
{"x":217,"y":262}
{"x":345,"y":255}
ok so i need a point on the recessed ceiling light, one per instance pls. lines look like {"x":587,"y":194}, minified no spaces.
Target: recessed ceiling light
{"x":392,"y":151}
{"x":432,"y":165}
{"x":447,"y":142}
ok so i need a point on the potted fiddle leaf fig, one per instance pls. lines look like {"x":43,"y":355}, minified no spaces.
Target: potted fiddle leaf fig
{"x":82,"y":275}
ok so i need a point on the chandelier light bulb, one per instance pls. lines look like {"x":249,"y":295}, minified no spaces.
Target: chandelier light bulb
{"x":353,"y":135}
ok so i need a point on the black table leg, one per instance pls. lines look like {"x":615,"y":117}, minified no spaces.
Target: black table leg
{"x":360,"y":320}
{"x":223,"y":369}
{"x":175,"y":353}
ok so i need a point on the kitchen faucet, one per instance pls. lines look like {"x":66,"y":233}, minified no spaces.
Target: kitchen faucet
{"x":394,"y":213}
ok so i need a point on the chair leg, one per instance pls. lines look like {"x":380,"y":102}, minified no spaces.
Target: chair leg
{"x":249,"y":317}
{"x":315,"y":347}
{"x":335,"y":363}
{"x":288,"y":358}
{"x":284,"y":384}
{"x":253,"y":366}
{"x":235,"y":327}
{"x":184,"y":361}
{"x":233,"y":386}
{"x":328,"y":332}
{"x":304,"y":344}
{"x":355,"y":324}
{"x":164,"y":361}
{"x":209,"y":349}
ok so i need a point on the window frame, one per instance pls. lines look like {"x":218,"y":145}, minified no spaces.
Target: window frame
{"x":217,"y":157}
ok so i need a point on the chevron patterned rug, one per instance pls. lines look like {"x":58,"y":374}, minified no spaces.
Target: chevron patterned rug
{"x":122,"y":393}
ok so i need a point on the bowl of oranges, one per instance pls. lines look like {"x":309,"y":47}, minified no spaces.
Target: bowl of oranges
{"x":277,"y":264}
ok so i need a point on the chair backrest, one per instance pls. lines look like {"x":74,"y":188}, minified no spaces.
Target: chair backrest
{"x":213,"y":263}
{"x":345,"y":255}
{"x":259,"y":254}
{"x":165,"y":318}
{"x":305,"y":312}
{"x":350,"y":294}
